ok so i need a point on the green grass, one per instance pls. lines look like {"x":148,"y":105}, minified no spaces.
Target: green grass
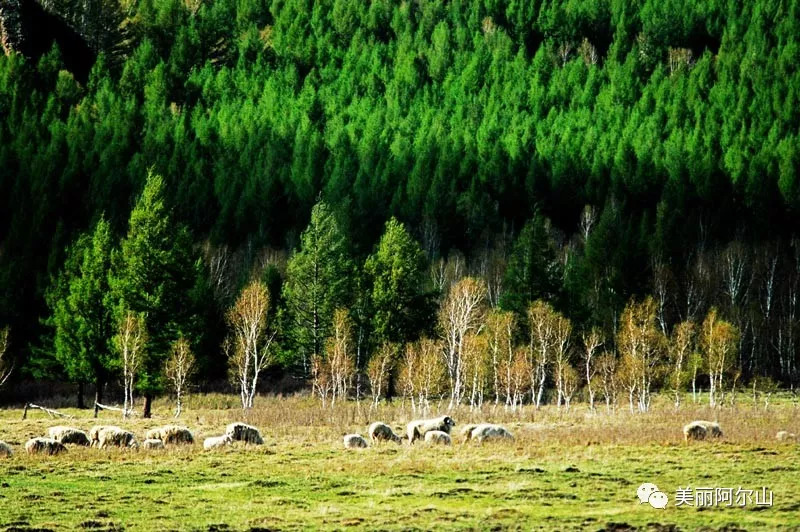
{"x":564,"y":471}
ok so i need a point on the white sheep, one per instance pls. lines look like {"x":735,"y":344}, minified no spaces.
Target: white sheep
{"x":418,"y":428}
{"x":354,"y":441}
{"x":700,"y":430}
{"x":216,"y":442}
{"x":382,"y":432}
{"x":5,"y":449}
{"x":487,"y":431}
{"x":44,"y":446}
{"x":153,"y":444}
{"x":785,"y":435}
{"x":171,"y":434}
{"x":466,"y":432}
{"x":243,"y":432}
{"x":115,"y":436}
{"x":437,"y":437}
{"x":68,"y":435}
{"x":94,"y":433}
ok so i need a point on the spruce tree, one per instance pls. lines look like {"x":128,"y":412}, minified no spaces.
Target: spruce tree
{"x":153,"y":274}
{"x":533,"y":272}
{"x":318,"y":281}
{"x":81,"y":320}
{"x":401,"y":306}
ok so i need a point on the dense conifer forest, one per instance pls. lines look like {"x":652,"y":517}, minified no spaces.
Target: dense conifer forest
{"x":365,"y":169}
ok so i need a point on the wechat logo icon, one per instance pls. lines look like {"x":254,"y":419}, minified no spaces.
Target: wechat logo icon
{"x":649,"y":493}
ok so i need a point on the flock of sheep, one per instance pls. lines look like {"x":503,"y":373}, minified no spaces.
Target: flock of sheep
{"x":700,"y":430}
{"x":431,"y":431}
{"x":437,"y":431}
{"x":111,"y":436}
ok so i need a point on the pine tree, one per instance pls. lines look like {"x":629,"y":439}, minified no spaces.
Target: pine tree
{"x":153,"y":274}
{"x":319,"y":279}
{"x":81,"y":319}
{"x":401,"y":308}
{"x":533,"y":271}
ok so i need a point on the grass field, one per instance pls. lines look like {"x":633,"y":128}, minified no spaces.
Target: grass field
{"x":565,"y":470}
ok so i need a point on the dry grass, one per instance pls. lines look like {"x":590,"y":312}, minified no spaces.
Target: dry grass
{"x":565,"y":470}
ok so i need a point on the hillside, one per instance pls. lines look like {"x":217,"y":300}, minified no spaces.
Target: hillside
{"x":651,"y":147}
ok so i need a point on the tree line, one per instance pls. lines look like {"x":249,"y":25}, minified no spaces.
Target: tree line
{"x":394,"y":323}
{"x":582,"y":153}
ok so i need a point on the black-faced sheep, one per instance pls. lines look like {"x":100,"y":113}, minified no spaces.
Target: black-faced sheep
{"x":354,"y":441}
{"x":5,"y":449}
{"x":437,"y":437}
{"x":153,"y":444}
{"x":700,"y":430}
{"x":785,"y":435}
{"x":171,"y":434}
{"x":487,"y":432}
{"x":418,"y":428}
{"x":243,"y":432}
{"x":47,"y":446}
{"x":115,"y":436}
{"x":68,"y":435}
{"x":382,"y":432}
{"x":216,"y":442}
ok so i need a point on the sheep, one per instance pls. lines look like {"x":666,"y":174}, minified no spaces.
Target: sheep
{"x":466,"y":432}
{"x":700,"y":430}
{"x":437,"y":437}
{"x":44,"y":446}
{"x":68,"y":435}
{"x":5,"y":449}
{"x":785,"y":435}
{"x":94,"y":433}
{"x":487,"y":431}
{"x":215,"y":442}
{"x":115,"y":436}
{"x":417,"y":429}
{"x":171,"y":434}
{"x":355,"y":441}
{"x":242,"y":432}
{"x":153,"y":444}
{"x":382,"y":432}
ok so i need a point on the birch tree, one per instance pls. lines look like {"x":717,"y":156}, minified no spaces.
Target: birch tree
{"x":627,"y":376}
{"x":5,"y":367}
{"x":592,"y":341}
{"x":641,"y":345}
{"x":477,"y":366}
{"x":339,"y":351}
{"x":607,"y":370}
{"x":321,"y":382}
{"x":462,"y":312}
{"x":422,"y":373}
{"x":130,"y":342}
{"x":248,"y":347}
{"x":570,"y":381}
{"x":549,"y":343}
{"x":178,"y":369}
{"x":694,"y":363}
{"x":562,"y":329}
{"x":718,"y":340}
{"x":681,"y":347}
{"x":378,"y":370}
{"x":500,"y":327}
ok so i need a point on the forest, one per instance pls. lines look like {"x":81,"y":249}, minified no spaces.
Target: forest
{"x":480,"y":199}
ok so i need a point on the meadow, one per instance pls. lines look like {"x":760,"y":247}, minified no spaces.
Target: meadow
{"x":564,"y":470}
